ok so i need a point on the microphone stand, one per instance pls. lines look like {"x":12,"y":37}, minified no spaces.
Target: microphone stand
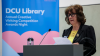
{"x":45,"y":35}
{"x":43,"y":38}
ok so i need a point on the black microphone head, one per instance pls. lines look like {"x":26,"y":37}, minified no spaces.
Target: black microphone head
{"x":49,"y":30}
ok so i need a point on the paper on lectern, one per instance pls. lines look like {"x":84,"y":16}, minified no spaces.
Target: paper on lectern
{"x":61,"y":40}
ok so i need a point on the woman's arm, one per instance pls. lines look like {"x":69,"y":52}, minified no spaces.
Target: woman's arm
{"x":90,"y":44}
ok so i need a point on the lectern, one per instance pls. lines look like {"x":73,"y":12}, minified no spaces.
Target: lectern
{"x":53,"y":50}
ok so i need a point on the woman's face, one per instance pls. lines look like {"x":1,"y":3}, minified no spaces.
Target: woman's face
{"x":72,"y":18}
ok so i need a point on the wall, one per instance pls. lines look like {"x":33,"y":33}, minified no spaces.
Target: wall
{"x":64,"y":3}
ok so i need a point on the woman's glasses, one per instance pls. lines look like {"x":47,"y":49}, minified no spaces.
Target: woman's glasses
{"x":72,"y":15}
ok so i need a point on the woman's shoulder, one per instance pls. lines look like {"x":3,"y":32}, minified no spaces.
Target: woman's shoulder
{"x":85,"y":27}
{"x":88,"y":25}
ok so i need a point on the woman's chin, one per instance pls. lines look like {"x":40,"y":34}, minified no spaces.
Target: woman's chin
{"x":72,"y":23}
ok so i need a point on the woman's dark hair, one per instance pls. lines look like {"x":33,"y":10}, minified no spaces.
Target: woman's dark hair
{"x":79,"y":12}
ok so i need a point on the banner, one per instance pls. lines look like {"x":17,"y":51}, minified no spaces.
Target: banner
{"x":22,"y":19}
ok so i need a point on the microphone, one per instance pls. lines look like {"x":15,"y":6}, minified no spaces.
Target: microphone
{"x":88,"y":40}
{"x":49,"y":30}
{"x":44,"y":36}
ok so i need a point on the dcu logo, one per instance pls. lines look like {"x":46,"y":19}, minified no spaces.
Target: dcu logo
{"x":24,"y":11}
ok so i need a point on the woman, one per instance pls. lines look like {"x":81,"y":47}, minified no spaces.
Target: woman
{"x":79,"y":33}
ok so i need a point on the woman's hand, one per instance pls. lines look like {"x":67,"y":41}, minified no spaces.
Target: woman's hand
{"x":76,"y":43}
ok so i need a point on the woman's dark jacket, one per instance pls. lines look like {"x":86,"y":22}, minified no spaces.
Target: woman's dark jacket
{"x":85,"y":36}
